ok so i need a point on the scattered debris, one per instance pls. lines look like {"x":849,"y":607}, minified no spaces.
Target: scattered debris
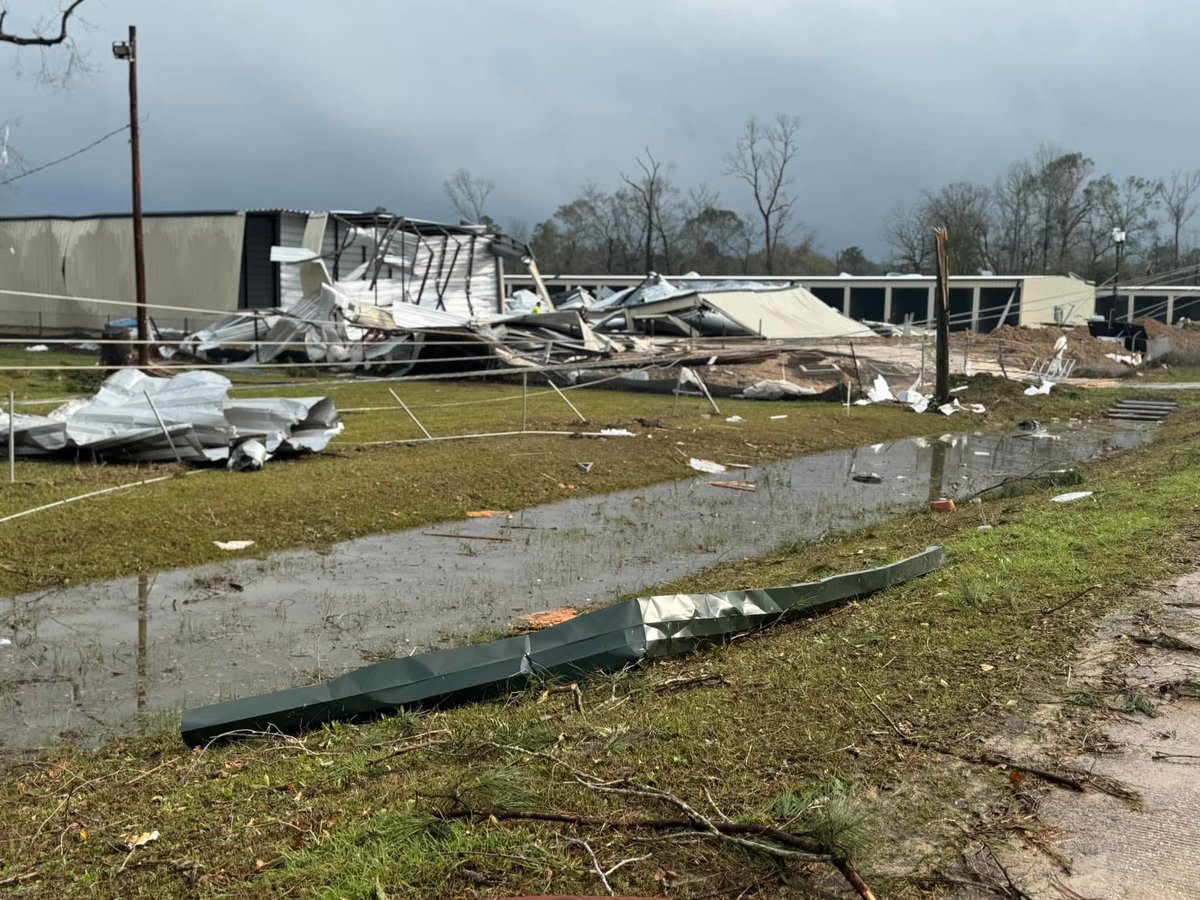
{"x":233,"y":545}
{"x":584,"y":467}
{"x":470,"y":537}
{"x":707,"y":466}
{"x":984,"y":529}
{"x":486,"y":513}
{"x":1030,"y":425}
{"x":140,"y":840}
{"x":36,"y":348}
{"x":943,"y":504}
{"x":775,"y":390}
{"x":538,"y":620}
{"x":784,"y":416}
{"x":735,"y":485}
{"x":248,"y":456}
{"x":1070,"y":497}
{"x":735,"y":419}
{"x":616,"y":432}
{"x":187,"y":417}
{"x":1042,"y":388}
{"x":866,"y":478}
{"x":879,"y":391}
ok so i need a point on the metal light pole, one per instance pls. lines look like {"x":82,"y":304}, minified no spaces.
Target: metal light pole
{"x":128,"y":52}
{"x":1118,"y":236}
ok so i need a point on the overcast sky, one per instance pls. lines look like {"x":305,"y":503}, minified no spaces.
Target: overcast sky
{"x":355,"y":104}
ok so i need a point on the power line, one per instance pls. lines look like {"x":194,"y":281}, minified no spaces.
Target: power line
{"x":63,"y":159}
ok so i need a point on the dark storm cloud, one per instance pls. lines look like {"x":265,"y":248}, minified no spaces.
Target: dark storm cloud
{"x":354,"y":104}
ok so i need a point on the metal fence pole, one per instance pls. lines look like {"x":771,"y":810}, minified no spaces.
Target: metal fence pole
{"x":12,"y":446}
{"x":524,"y":401}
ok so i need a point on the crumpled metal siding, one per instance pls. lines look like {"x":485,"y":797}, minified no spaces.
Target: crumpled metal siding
{"x":606,"y":640}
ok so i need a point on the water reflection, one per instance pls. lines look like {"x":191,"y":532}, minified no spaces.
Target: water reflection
{"x":84,"y":659}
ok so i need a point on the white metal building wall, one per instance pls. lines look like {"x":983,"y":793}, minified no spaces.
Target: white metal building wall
{"x":192,"y":261}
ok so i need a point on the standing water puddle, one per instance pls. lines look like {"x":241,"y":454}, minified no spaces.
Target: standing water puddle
{"x":83,"y":660}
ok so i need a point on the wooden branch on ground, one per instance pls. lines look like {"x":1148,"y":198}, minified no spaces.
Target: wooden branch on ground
{"x":790,"y":845}
{"x":1071,"y":780}
{"x":433,"y":738}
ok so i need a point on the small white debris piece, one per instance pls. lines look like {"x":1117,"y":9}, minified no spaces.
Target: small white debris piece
{"x":706,"y":465}
{"x":984,"y":529}
{"x":983,"y":453}
{"x":248,"y":456}
{"x":735,"y":419}
{"x":1034,"y":389}
{"x":616,"y":432}
{"x":36,"y":348}
{"x":584,"y":467}
{"x":774,"y":390}
{"x":5,"y":642}
{"x":233,"y":545}
{"x":914,"y":400}
{"x":880,"y":391}
{"x":784,"y":416}
{"x":1070,"y":497}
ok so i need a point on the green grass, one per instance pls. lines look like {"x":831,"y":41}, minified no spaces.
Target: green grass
{"x":793,"y":735}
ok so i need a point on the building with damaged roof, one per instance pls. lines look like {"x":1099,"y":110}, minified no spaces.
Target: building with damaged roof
{"x":221,"y":261}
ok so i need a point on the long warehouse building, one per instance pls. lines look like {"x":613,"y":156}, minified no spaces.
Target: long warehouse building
{"x":977,"y":302}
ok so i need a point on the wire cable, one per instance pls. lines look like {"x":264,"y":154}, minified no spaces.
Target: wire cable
{"x":63,"y":159}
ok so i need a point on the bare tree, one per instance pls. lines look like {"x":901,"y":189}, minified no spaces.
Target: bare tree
{"x":907,"y":230}
{"x":469,"y":194}
{"x":53,"y":31}
{"x":762,"y":159}
{"x":1178,"y":192}
{"x":652,"y":196}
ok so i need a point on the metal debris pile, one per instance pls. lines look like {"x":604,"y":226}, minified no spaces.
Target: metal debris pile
{"x":185,"y":418}
{"x":351,"y":322}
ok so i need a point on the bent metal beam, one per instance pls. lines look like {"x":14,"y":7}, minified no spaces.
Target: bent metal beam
{"x":606,"y":640}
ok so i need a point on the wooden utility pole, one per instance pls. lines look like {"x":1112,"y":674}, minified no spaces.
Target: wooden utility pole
{"x":128,"y":53}
{"x":941,"y":391}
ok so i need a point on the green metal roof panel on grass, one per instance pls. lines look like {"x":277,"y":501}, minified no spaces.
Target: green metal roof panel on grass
{"x":606,"y":640}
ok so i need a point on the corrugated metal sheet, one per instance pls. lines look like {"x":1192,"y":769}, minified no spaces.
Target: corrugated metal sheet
{"x":192,"y":261}
{"x":291,"y":234}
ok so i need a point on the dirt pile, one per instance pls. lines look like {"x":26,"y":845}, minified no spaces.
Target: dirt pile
{"x":1183,"y":342}
{"x":1020,"y":346}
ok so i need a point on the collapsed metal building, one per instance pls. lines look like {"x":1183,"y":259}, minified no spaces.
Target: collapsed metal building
{"x":57,"y":271}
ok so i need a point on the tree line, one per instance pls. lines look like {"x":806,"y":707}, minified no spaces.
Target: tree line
{"x":649,"y":222}
{"x":1050,"y":214}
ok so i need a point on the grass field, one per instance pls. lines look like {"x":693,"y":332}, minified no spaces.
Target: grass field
{"x":357,"y":488}
{"x":789,"y":728}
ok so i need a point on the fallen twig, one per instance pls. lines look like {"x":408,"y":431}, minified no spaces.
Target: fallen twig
{"x":572,"y":689}
{"x":1164,"y":641}
{"x":671,"y":684}
{"x":790,"y":845}
{"x":1159,"y":756}
{"x":432,"y":741}
{"x":470,"y":537}
{"x":1070,"y":600}
{"x":17,"y":879}
{"x":1071,"y":780}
